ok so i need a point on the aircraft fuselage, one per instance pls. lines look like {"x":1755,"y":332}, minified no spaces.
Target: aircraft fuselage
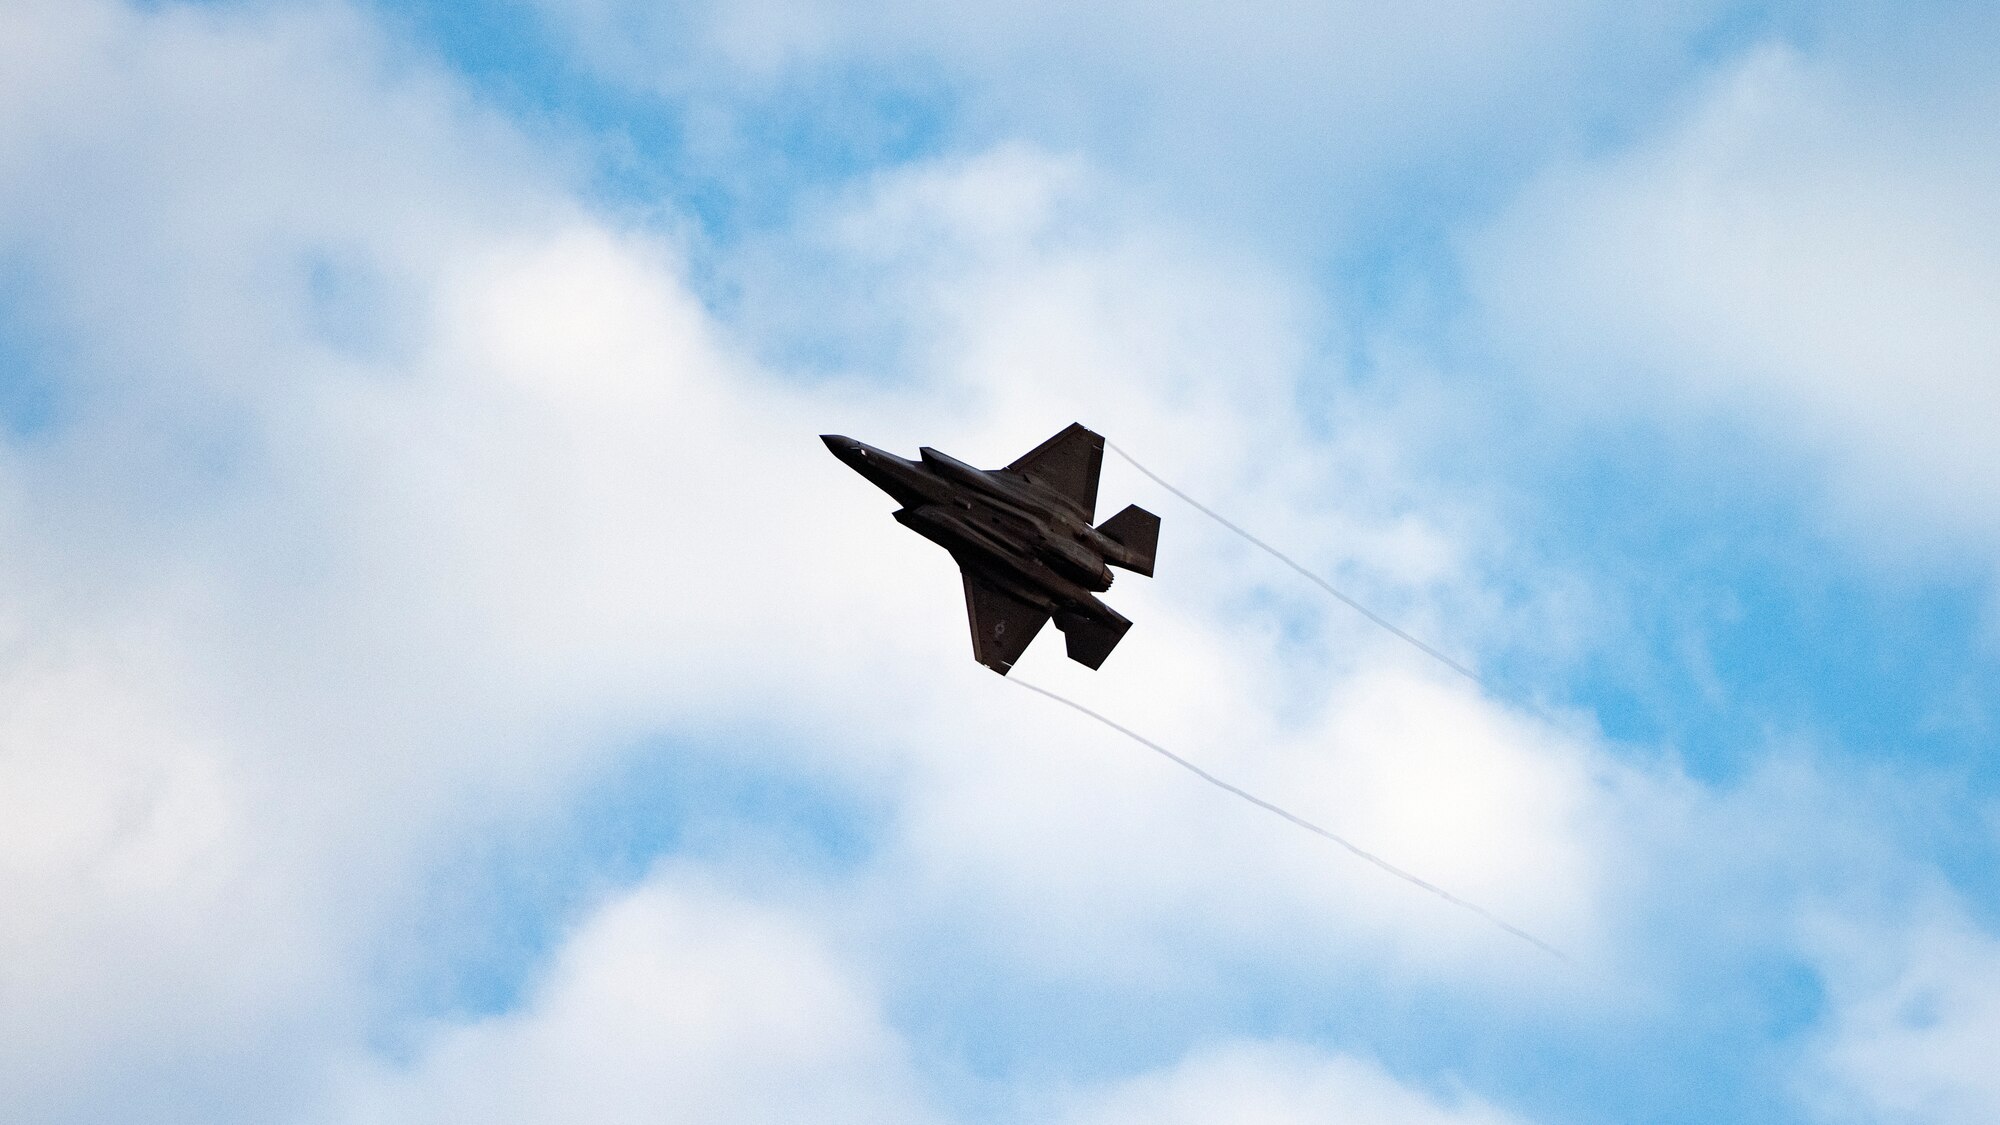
{"x":1021,"y":531}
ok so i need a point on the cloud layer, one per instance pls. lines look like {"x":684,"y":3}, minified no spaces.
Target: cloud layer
{"x":381,"y":499}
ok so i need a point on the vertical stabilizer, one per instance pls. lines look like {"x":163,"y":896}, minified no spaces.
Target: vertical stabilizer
{"x":1138,"y":531}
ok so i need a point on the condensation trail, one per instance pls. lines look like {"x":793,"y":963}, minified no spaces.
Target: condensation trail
{"x":1309,"y":576}
{"x":1308,"y":825}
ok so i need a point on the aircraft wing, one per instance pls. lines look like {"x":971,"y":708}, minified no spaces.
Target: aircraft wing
{"x":1068,"y":463}
{"x":1002,"y":624}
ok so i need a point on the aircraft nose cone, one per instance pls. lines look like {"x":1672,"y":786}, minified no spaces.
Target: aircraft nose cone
{"x":845,"y":448}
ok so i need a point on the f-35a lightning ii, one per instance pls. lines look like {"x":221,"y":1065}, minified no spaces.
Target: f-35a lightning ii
{"x":1023,"y":539}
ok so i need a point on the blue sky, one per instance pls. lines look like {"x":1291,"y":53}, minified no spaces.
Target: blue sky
{"x":445,"y":678}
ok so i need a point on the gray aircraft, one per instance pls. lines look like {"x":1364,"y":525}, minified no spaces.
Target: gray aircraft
{"x":1022,"y":537}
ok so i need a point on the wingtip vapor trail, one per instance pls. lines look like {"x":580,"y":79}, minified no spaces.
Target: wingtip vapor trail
{"x":1308,"y":575}
{"x":1279,"y":811}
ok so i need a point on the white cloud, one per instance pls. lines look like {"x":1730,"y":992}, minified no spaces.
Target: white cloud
{"x":1915,"y":1012}
{"x":314,"y":594}
{"x":674,"y":1003}
{"x":678,"y":1001}
{"x":1125,"y":866}
{"x":1266,"y":115}
{"x":1276,"y":1084}
{"x":1804,"y":252}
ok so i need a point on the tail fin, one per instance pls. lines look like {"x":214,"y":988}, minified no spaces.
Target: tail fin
{"x":1138,"y":531}
{"x":1091,"y":639}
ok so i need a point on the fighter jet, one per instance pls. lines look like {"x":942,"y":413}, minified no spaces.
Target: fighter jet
{"x":1022,"y":537}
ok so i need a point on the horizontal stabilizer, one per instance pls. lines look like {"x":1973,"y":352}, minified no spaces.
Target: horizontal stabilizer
{"x":1091,"y":639}
{"x":1138,"y":531}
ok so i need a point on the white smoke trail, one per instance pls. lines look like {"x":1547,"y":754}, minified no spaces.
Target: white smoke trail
{"x":1307,"y":574}
{"x":1300,"y":821}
